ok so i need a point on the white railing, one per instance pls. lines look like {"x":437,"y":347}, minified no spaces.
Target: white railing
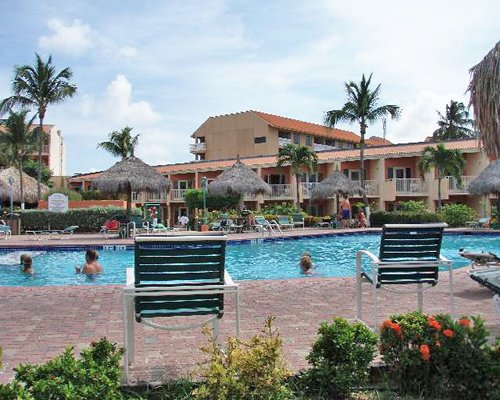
{"x":307,"y":188}
{"x":454,"y":187}
{"x":410,"y":186}
{"x":282,"y":142}
{"x":178,"y":194}
{"x":279,"y":191}
{"x":156,"y":197}
{"x":372,"y":188}
{"x":136,"y":197}
{"x":197,"y":147}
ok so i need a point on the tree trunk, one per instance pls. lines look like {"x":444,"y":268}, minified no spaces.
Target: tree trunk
{"x":129,"y":202}
{"x":21,"y":185}
{"x":362,"y":131}
{"x":40,"y":148}
{"x":439,"y":193}
{"x":297,"y":183}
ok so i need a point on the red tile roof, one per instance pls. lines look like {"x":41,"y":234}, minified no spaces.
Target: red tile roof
{"x":295,"y":125}
{"x":377,"y":141}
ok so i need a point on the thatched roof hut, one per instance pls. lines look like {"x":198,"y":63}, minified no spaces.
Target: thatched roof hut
{"x":240,"y":180}
{"x":484,"y":91}
{"x":336,"y":184}
{"x":131,"y":175}
{"x":488,"y":181}
{"x":30,"y":186}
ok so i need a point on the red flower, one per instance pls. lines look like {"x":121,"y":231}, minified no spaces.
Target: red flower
{"x":425,"y":353}
{"x":448,"y":333}
{"x":396,"y":328}
{"x":433,"y":323}
{"x":464,"y":322}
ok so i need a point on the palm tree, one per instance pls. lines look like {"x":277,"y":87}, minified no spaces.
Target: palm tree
{"x":361,"y":107}
{"x":484,"y":91}
{"x":298,"y":157}
{"x":121,"y":143}
{"x":455,"y":123}
{"x":20,"y":141}
{"x":38,"y":86}
{"x":448,"y":162}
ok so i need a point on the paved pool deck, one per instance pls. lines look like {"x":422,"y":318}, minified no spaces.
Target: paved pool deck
{"x":37,"y":323}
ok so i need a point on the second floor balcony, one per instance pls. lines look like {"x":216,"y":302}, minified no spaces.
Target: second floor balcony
{"x":198,"y":147}
{"x":455,"y":188}
{"x":280,"y":191}
{"x":307,"y":188}
{"x":177,"y":194}
{"x":410,"y":186}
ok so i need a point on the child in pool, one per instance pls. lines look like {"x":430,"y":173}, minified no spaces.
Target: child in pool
{"x":91,"y":268}
{"x":27,"y":264}
{"x":306,"y":263}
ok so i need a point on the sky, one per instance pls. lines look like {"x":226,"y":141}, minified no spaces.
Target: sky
{"x":164,"y":67}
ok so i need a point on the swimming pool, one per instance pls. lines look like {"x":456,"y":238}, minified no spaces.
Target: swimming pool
{"x":333,"y":256}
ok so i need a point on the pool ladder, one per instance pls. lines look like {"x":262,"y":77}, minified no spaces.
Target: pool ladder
{"x":269,"y":228}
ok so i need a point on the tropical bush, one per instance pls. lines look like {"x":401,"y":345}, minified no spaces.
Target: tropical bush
{"x":253,"y":369}
{"x":88,"y":219}
{"x":379,"y":218}
{"x":194,"y":199}
{"x":435,"y":357}
{"x":72,"y":195}
{"x":413,"y":206}
{"x":95,"y":375}
{"x":283,"y":208}
{"x":457,"y":214}
{"x":339,"y":359}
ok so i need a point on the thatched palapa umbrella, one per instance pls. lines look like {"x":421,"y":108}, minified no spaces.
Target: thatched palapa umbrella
{"x":336,"y":184}
{"x":30,"y":186}
{"x":484,"y":91}
{"x":239,"y":180}
{"x":488,"y":182}
{"x":131,"y":175}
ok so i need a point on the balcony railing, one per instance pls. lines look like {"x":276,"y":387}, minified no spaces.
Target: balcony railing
{"x":198,"y":147}
{"x":307,"y":188}
{"x":372,"y":188}
{"x":156,"y":197}
{"x":177,"y":194}
{"x":454,"y":187}
{"x":410,"y":186}
{"x":136,"y":197}
{"x":279,"y":191}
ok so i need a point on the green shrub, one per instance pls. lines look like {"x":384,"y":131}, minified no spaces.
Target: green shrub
{"x":380,"y":218}
{"x":436,"y":357}
{"x":72,"y":195}
{"x":413,"y":206}
{"x":339,"y":359}
{"x":194,"y":199}
{"x":310,"y":220}
{"x":457,"y":214}
{"x":88,"y":219}
{"x":253,"y":369}
{"x":96,"y":375}
{"x":284,"y":208}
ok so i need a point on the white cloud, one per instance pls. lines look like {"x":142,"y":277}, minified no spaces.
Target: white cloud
{"x":128,"y":51}
{"x":73,"y":39}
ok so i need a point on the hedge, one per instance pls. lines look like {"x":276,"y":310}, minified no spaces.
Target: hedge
{"x":88,"y":219}
{"x":379,"y":218}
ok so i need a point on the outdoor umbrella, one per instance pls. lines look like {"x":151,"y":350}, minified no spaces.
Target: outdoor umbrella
{"x":488,"y":182}
{"x":131,"y":175}
{"x":239,"y":180}
{"x":337,"y":183}
{"x":30,"y":186}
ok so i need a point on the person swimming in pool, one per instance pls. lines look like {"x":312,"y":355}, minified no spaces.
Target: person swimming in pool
{"x":306,"y":263}
{"x":27,"y":265}
{"x":91,"y":268}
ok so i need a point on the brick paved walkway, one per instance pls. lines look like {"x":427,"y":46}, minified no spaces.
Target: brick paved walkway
{"x":37,"y":323}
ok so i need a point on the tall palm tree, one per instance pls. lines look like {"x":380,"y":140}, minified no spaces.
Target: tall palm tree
{"x":121,"y":143}
{"x":39,"y":86}
{"x":298,"y":157}
{"x":448,"y":162}
{"x":455,"y":123}
{"x":361,"y":107}
{"x":20,"y":141}
{"x":484,"y":91}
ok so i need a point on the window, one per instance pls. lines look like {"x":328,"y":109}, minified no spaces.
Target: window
{"x":308,"y":140}
{"x":353,"y":174}
{"x":275,"y":179}
{"x":260,"y":139}
{"x":284,"y":135}
{"x":296,"y":138}
{"x":182,"y":184}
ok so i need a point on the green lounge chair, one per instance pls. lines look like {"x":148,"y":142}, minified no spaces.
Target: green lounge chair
{"x":176,"y":276}
{"x":298,"y":220}
{"x":5,"y":229}
{"x":409,"y":255}
{"x":284,"y":222}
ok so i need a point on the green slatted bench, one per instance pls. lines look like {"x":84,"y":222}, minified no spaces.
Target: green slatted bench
{"x":176,"y":276}
{"x":409,"y":255}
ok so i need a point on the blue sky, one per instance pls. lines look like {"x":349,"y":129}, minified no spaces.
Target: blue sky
{"x":164,"y":67}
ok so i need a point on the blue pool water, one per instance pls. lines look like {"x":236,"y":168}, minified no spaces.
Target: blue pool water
{"x":333,"y":256}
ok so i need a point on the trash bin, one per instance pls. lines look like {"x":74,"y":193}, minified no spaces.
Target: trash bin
{"x":14,"y":221}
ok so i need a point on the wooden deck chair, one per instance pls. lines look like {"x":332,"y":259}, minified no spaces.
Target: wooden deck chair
{"x":176,"y":276}
{"x":409,"y":255}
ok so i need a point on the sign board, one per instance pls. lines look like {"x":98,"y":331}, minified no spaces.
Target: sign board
{"x":58,"y":202}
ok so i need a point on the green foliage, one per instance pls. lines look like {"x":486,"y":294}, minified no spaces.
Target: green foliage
{"x":339,"y":358}
{"x":253,"y":369}
{"x":88,"y":219}
{"x":96,"y":195}
{"x":455,"y":124}
{"x":72,"y":195}
{"x":121,"y":143}
{"x":413,"y":206}
{"x":31,"y":168}
{"x":96,"y":375}
{"x":379,"y":218}
{"x":436,"y":357}
{"x":310,"y":220}
{"x":283,"y":208}
{"x":457,"y":214}
{"x":194,"y":199}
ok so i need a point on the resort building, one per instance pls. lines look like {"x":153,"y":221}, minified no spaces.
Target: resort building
{"x":392,"y":173}
{"x":53,"y":152}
